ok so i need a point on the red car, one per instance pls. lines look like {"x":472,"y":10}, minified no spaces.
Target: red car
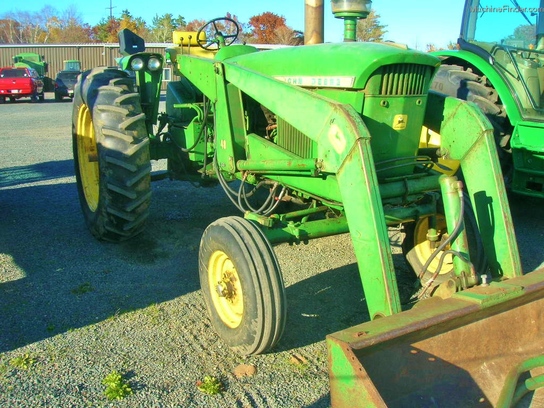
{"x":18,"y":83}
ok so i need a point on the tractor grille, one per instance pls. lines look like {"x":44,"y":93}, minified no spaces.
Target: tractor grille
{"x":294,"y":141}
{"x":400,"y":80}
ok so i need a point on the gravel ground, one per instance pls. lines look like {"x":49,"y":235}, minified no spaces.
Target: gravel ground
{"x":75,"y":309}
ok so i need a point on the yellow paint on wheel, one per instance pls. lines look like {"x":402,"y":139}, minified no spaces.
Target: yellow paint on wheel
{"x":424,"y":248}
{"x":87,"y":155}
{"x":225,"y":289}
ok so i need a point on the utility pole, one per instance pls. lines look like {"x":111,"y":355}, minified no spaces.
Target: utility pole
{"x":111,"y":7}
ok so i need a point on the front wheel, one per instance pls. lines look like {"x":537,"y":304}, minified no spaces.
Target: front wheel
{"x":111,"y":154}
{"x":242,"y":285}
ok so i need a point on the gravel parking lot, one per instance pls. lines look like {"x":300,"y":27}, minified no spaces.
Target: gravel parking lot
{"x":73,"y":309}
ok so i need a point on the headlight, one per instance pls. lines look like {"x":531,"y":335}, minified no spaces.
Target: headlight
{"x":136,"y":64}
{"x":153,"y":64}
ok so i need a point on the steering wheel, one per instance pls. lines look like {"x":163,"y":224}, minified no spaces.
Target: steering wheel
{"x":219,"y":39}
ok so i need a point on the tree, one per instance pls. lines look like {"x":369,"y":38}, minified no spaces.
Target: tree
{"x":22,"y":27}
{"x":8,"y":29}
{"x":68,"y":28}
{"x":224,"y":26}
{"x":135,"y":24}
{"x":47,"y":26}
{"x":526,"y":34}
{"x":430,"y":47}
{"x":163,"y":26}
{"x":195,"y":25}
{"x":370,"y":29}
{"x":288,"y":36}
{"x":264,"y":27}
{"x":108,"y":28}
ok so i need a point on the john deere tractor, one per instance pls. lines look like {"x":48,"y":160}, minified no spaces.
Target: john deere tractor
{"x":499,"y":66}
{"x":37,"y":62}
{"x":313,"y":141}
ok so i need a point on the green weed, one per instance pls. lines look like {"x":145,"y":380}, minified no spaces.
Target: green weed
{"x":23,"y":362}
{"x":117,"y":387}
{"x":154,"y":312}
{"x":210,"y":385}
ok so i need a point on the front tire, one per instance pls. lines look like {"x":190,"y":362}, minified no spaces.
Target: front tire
{"x":242,"y":285}
{"x":111,"y":154}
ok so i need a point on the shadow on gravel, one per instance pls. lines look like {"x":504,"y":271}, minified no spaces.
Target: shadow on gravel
{"x":54,"y":276}
{"x":13,"y":176}
{"x":323,"y":304}
{"x":528,"y":217}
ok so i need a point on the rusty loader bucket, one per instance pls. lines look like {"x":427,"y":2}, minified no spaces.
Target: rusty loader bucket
{"x":483,"y":347}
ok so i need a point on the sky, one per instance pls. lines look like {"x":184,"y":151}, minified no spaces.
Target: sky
{"x":415,"y":23}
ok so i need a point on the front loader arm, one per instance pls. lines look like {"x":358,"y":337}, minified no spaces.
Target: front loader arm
{"x":467,"y":136}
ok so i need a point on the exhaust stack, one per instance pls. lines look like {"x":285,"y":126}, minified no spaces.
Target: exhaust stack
{"x":313,"y":22}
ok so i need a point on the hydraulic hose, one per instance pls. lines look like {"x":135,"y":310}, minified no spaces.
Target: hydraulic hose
{"x":446,"y":242}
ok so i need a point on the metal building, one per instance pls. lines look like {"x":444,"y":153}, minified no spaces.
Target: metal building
{"x":90,"y":55}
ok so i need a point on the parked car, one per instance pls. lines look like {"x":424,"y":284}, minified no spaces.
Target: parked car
{"x":64,"y":84}
{"x":18,"y":83}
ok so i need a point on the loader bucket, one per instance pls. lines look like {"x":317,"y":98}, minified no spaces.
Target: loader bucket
{"x":483,"y":347}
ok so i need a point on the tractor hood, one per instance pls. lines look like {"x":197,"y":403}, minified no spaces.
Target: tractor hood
{"x":340,"y":65}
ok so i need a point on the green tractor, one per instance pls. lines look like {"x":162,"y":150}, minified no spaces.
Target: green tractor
{"x":36,"y":62}
{"x":499,"y":65}
{"x":72,"y":65}
{"x":307,"y":142}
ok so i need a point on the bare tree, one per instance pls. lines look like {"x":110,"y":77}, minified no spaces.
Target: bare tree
{"x":288,"y":36}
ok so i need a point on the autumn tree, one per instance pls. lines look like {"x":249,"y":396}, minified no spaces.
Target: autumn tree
{"x":44,"y":27}
{"x":194,"y":25}
{"x":229,"y":27}
{"x":68,"y":28}
{"x":108,"y":28}
{"x":23,"y":27}
{"x":269,"y":28}
{"x":370,"y":29}
{"x":264,"y":27}
{"x":135,"y":24}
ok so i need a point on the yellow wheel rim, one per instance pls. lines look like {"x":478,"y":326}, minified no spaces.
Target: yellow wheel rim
{"x":424,"y":248}
{"x":87,"y":156}
{"x":225,"y":289}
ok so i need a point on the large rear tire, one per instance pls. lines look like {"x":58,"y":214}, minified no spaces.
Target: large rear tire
{"x":111,"y":154}
{"x":242,"y":285}
{"x":463,"y":83}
